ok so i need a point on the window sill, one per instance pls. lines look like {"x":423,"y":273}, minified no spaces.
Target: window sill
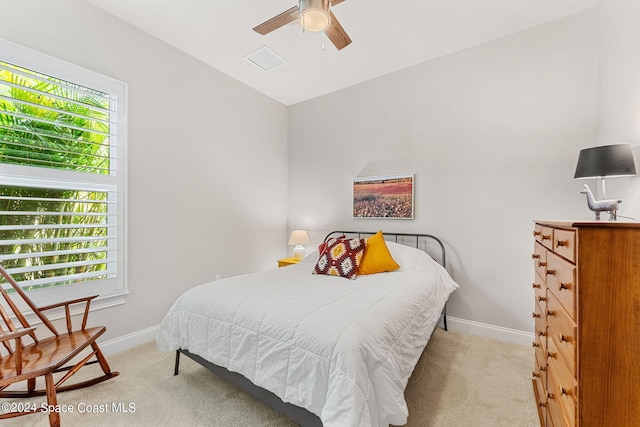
{"x":100,"y":303}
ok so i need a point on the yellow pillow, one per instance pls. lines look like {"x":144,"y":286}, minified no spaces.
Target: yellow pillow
{"x":376,"y":258}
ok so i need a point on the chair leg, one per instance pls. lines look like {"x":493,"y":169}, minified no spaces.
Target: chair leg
{"x":101,"y":359}
{"x":31,"y":384}
{"x":52,"y":401}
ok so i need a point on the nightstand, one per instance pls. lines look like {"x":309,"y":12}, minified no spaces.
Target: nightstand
{"x":287,"y":261}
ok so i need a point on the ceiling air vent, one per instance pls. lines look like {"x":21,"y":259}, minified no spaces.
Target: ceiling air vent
{"x":265,"y":59}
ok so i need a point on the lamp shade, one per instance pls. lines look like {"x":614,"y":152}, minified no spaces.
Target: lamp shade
{"x":314,"y":15}
{"x":607,"y":160}
{"x":299,"y":237}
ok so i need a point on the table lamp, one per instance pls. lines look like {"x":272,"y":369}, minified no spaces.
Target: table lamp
{"x":608,"y":160}
{"x":299,"y":238}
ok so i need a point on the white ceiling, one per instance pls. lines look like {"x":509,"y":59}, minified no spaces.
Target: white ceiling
{"x":388,"y":35}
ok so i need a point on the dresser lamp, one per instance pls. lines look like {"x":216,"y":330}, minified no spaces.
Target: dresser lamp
{"x":299,"y":238}
{"x":605,"y":161}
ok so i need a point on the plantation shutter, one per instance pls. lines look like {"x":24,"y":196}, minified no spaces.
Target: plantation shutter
{"x":59,"y":187}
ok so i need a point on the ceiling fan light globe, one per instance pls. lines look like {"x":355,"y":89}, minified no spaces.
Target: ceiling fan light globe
{"x":314,"y":15}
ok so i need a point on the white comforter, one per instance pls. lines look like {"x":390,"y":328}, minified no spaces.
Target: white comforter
{"x":343,"y":349}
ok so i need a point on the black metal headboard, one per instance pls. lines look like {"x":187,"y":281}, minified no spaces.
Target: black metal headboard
{"x":408,"y":239}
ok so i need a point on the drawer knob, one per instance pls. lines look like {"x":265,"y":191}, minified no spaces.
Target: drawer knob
{"x":551,"y":272}
{"x":542,"y":334}
{"x":550,"y":313}
{"x":536,"y":286}
{"x":551,"y":355}
{"x":565,"y":391}
{"x":560,"y":243}
{"x":535,"y":315}
{"x":535,"y":374}
{"x":564,"y":338}
{"x":541,"y":264}
{"x":546,"y":237}
{"x":542,"y":299}
{"x":562,"y":286}
{"x":536,"y":233}
{"x":535,"y":344}
{"x":535,"y":256}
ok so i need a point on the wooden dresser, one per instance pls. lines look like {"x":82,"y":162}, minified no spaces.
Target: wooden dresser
{"x":587,"y":323}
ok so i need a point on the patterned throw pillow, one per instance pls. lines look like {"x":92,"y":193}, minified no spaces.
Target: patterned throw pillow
{"x":323,"y":245}
{"x":340,"y":257}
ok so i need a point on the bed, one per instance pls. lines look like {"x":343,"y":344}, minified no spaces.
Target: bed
{"x":322,"y":350}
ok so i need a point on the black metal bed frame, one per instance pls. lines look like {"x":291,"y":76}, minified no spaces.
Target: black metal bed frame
{"x":298,"y":414}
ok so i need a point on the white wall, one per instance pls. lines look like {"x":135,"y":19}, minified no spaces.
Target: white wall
{"x":492,"y":134}
{"x":619,"y":91}
{"x":207,"y":157}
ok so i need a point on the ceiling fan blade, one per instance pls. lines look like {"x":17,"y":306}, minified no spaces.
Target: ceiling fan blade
{"x":336,"y":33}
{"x":277,"y":21}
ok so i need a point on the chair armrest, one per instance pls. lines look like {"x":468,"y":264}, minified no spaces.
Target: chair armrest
{"x":67,"y":304}
{"x":16,"y":334}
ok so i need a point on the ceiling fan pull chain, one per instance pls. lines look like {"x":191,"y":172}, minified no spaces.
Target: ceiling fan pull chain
{"x":323,"y":37}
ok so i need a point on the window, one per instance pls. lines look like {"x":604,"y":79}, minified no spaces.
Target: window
{"x":62,"y":140}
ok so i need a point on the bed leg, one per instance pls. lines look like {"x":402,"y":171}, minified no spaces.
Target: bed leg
{"x":444,"y":317}
{"x":175,"y":369}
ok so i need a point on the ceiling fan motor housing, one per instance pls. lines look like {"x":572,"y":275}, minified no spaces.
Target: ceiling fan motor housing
{"x":314,"y":15}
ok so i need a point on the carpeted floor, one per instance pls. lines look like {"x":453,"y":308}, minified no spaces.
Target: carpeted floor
{"x":460,"y":381}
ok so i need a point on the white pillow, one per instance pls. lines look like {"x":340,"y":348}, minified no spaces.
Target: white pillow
{"x":406,"y":256}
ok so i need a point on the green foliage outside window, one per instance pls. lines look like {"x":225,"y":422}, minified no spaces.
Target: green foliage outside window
{"x":52,"y":232}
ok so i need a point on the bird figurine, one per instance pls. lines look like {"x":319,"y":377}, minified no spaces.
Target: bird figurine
{"x":607,"y":205}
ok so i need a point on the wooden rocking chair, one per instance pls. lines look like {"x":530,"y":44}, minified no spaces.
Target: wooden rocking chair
{"x":44,"y":357}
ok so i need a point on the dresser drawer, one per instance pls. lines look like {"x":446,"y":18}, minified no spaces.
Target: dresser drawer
{"x":540,"y":339}
{"x":564,"y":243}
{"x":561,"y":280}
{"x":540,"y":260}
{"x":554,"y":411}
{"x":540,"y":292}
{"x":540,"y":321}
{"x":557,"y":415}
{"x":544,"y":235}
{"x":563,"y":391}
{"x":561,"y":334}
{"x":541,"y":398}
{"x":537,"y":232}
{"x":540,"y":369}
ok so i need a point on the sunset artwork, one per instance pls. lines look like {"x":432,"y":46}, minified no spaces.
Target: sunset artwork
{"x":383,"y":197}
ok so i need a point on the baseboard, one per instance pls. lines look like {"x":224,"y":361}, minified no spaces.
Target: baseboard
{"x":469,"y":327}
{"x":462,"y":326}
{"x":128,"y":341}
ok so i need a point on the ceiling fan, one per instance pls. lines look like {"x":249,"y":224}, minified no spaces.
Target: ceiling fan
{"x":313,"y":15}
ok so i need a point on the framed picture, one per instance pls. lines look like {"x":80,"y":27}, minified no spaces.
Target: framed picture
{"x":383,"y":197}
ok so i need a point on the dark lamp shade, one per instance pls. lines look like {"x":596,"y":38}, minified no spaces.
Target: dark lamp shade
{"x":608,"y":160}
